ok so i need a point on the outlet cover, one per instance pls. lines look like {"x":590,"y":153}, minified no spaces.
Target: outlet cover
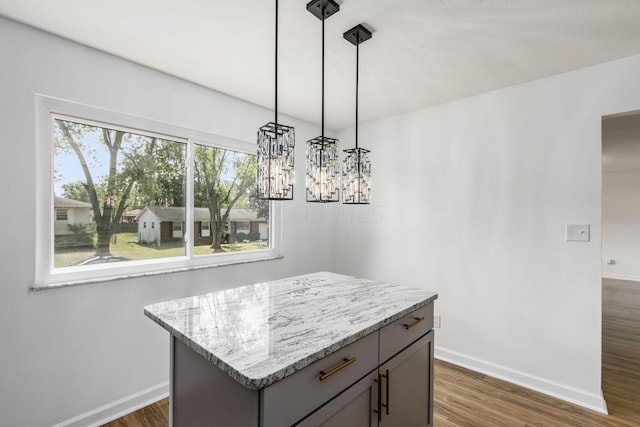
{"x":436,"y":321}
{"x":578,"y":233}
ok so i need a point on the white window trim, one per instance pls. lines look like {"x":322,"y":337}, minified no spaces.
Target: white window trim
{"x":46,"y":276}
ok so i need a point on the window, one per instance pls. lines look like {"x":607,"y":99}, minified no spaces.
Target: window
{"x":243,"y":226}
{"x":177,"y":230}
{"x":109,"y":167}
{"x":205,"y":229}
{"x":62,"y":215}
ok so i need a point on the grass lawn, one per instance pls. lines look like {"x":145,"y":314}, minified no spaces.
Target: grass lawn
{"x":126,"y":245}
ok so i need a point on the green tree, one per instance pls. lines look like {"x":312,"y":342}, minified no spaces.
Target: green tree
{"x":222,"y":179}
{"x":260,"y":206}
{"x":163,"y":165}
{"x":75,"y":191}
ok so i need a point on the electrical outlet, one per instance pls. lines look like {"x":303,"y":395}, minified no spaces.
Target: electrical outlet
{"x":436,"y":321}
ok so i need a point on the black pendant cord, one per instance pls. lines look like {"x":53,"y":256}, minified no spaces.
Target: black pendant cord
{"x":358,"y":151}
{"x":322,"y":131}
{"x":276,"y":74}
{"x":322,"y":82}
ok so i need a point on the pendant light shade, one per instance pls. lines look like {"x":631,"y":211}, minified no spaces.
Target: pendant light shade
{"x":276,"y":150}
{"x":276,"y":146}
{"x":323,"y":171}
{"x":323,"y":174}
{"x":356,"y":177}
{"x":356,"y":166}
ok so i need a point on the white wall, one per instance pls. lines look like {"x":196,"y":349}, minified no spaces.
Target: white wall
{"x":65,"y":352}
{"x":621,"y":197}
{"x":471,"y":199}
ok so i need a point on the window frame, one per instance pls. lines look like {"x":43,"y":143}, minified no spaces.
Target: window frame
{"x":47,"y":276}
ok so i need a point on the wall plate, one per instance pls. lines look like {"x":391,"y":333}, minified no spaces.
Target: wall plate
{"x":578,"y":233}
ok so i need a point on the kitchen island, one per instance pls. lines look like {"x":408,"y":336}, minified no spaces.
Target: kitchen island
{"x":319,"y":349}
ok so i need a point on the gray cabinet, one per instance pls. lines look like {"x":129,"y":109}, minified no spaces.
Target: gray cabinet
{"x":384,"y":379}
{"x":407,"y":386}
{"x":354,"y":407}
{"x":397,"y":394}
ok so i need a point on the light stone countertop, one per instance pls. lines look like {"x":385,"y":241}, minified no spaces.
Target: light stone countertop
{"x":261,"y":333}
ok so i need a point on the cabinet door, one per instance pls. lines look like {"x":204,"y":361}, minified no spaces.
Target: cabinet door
{"x":407,"y":386}
{"x":354,"y":407}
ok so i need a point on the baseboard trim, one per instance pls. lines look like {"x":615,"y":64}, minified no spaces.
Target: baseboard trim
{"x":621,"y":277}
{"x":120,"y":407}
{"x":569,"y":394}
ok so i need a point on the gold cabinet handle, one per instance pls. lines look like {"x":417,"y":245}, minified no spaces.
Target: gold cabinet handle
{"x":380,"y":404}
{"x":386,"y":377}
{"x":379,"y":410}
{"x":412,"y":324}
{"x":346,"y":362}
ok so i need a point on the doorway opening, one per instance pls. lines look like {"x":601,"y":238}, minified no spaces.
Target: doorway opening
{"x":621,"y":264}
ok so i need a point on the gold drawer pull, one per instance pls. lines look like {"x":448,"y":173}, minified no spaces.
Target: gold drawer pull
{"x":412,"y":324}
{"x":346,"y":362}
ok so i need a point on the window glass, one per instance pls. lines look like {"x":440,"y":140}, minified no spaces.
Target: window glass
{"x":61,"y":214}
{"x":111,"y":182}
{"x":224,"y":199}
{"x":205,"y":230}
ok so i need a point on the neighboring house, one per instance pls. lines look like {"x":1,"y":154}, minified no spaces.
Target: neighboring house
{"x":70,"y":212}
{"x":131,"y":216}
{"x":66,"y":213}
{"x":159,"y":224}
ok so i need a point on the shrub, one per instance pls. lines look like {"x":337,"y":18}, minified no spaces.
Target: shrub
{"x":83,"y":236}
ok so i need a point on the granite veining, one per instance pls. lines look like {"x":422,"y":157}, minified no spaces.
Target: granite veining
{"x":259,"y":334}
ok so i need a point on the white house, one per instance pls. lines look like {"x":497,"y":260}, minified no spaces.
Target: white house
{"x":68,"y":212}
{"x":159,"y":224}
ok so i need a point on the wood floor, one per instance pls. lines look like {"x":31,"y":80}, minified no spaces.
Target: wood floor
{"x":621,"y":348}
{"x":465,"y":398}
{"x":156,"y":415}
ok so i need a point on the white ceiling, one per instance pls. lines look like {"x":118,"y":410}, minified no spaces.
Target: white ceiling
{"x":423,"y":52}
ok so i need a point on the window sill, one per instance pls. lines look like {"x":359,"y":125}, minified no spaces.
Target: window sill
{"x":68,"y":283}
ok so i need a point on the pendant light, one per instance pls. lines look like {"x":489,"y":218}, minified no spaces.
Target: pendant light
{"x":323,"y":173}
{"x":276,"y":149}
{"x":356,"y":167}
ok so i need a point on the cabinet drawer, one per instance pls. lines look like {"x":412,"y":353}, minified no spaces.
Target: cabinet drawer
{"x":404,"y":331}
{"x":287,"y":401}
